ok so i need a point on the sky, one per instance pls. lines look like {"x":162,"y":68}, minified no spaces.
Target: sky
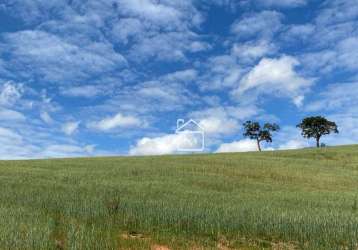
{"x":111,"y":77}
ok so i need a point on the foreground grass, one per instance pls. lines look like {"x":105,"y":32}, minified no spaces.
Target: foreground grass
{"x":305,"y":199}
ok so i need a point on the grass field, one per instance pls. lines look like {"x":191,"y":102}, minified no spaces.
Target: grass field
{"x":305,"y":199}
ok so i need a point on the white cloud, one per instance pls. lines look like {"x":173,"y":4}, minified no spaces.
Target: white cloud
{"x":282,"y":3}
{"x":13,"y":145}
{"x":10,"y":93}
{"x":117,"y":121}
{"x":222,"y":121}
{"x":70,"y":127}
{"x":29,"y":142}
{"x":245,"y":145}
{"x":45,"y":116}
{"x":59,"y":60}
{"x":127,"y":28}
{"x":11,"y":115}
{"x":348,"y":53}
{"x":152,"y":11}
{"x":81,"y":46}
{"x":216,"y":125}
{"x":339,"y":96}
{"x":294,"y":144}
{"x":339,"y":103}
{"x":154,"y":90}
{"x":301,"y":32}
{"x":87,"y":91}
{"x":265,"y":23}
{"x":67,"y":150}
{"x":289,"y":137}
{"x":166,"y":46}
{"x":252,"y":51}
{"x":332,"y":45}
{"x":217,"y":121}
{"x":347,"y":125}
{"x":343,"y":55}
{"x":166,"y":144}
{"x":221,"y":72}
{"x":169,"y":92}
{"x":158,"y":30}
{"x":276,"y":76}
{"x":234,"y":4}
{"x":322,"y":61}
{"x":184,"y":76}
{"x":338,"y":11}
{"x":7,"y":134}
{"x":169,"y":14}
{"x":40,"y":10}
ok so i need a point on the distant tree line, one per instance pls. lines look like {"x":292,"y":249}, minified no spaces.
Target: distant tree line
{"x":311,"y":127}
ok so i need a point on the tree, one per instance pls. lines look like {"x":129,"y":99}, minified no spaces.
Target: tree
{"x":254,"y":131}
{"x":316,"y":127}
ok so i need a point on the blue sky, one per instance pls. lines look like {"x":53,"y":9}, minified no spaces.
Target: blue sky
{"x":111,"y":77}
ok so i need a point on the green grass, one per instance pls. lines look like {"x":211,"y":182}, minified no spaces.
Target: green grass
{"x":305,"y":199}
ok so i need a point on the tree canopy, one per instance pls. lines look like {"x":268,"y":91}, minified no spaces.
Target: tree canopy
{"x":254,"y":131}
{"x":316,"y":127}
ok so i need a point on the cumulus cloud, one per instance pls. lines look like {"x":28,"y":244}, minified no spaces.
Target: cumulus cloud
{"x":216,"y":125}
{"x":245,"y":145}
{"x":289,"y":137}
{"x":116,"y":121}
{"x":276,"y":76}
{"x":166,"y":144}
{"x":222,"y":121}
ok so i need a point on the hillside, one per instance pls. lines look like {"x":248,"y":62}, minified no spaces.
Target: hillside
{"x":280,"y":200}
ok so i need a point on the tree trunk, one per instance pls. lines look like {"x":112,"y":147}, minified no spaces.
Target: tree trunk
{"x":317,"y":142}
{"x":258,"y":145}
